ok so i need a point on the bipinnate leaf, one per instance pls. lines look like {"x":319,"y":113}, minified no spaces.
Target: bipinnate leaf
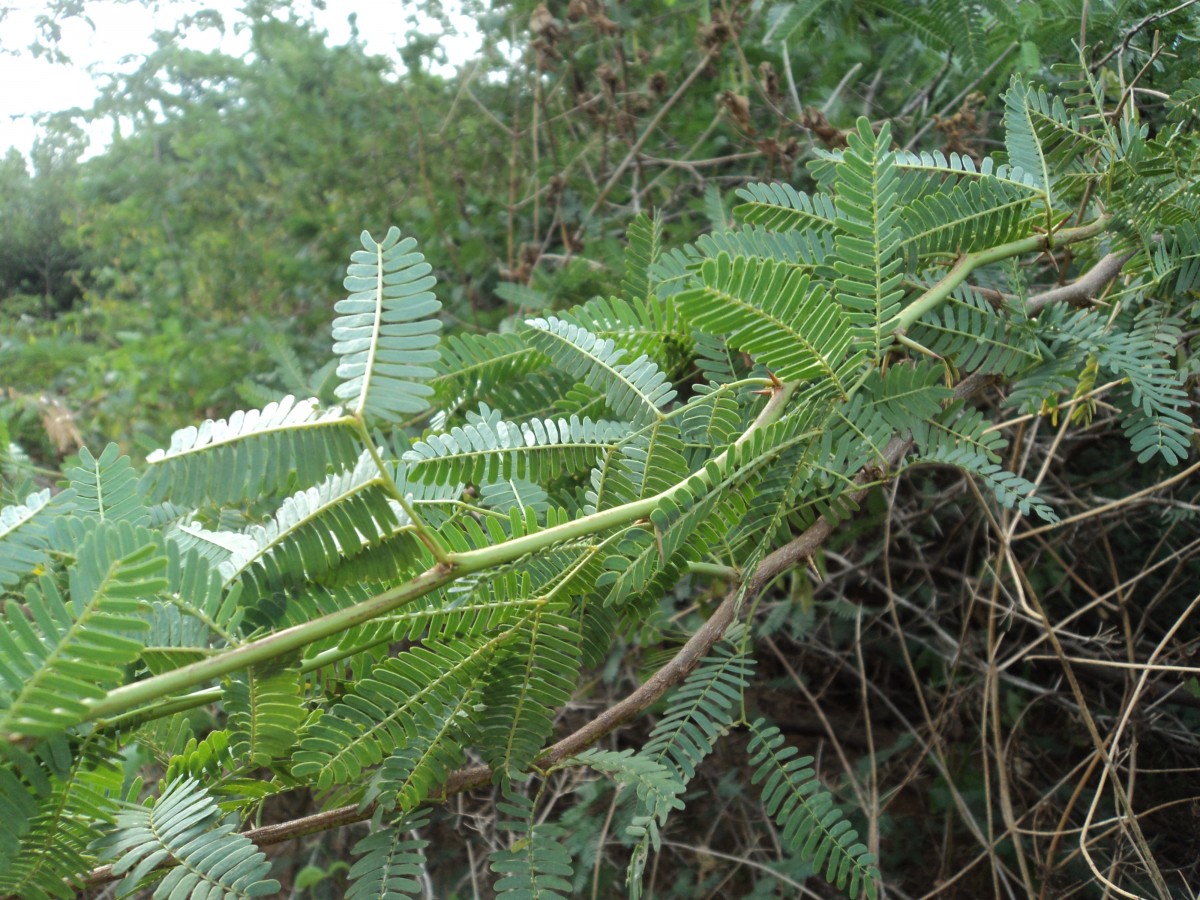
{"x":391,"y":861}
{"x":107,"y":488}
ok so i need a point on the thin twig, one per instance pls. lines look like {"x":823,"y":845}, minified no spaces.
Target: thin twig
{"x":1147,"y":21}
{"x":791,"y":81}
{"x":840,"y":87}
{"x":645,"y":135}
{"x":1108,"y":507}
{"x":912,"y":142}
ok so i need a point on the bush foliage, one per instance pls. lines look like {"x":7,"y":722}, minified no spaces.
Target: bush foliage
{"x":609,"y":493}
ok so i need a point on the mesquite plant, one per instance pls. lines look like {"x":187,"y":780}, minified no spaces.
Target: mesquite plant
{"x":390,"y":600}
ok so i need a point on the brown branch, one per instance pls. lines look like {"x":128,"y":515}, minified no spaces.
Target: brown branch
{"x":1084,"y":288}
{"x":1079,"y":292}
{"x":1123,"y":44}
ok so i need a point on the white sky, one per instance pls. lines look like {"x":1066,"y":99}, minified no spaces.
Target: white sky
{"x":29,"y":86}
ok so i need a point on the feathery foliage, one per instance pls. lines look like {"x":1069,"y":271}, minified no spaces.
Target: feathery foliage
{"x":414,"y":592}
{"x":265,"y":712}
{"x":777,"y":315}
{"x":703,"y":709}
{"x":536,"y":865}
{"x":658,"y":791}
{"x":390,"y":860}
{"x":186,"y":825}
{"x":62,"y":650}
{"x":54,"y":853}
{"x":812,"y":827}
{"x":23,"y":532}
{"x":404,"y":701}
{"x":867,"y":245}
{"x":250,"y":453}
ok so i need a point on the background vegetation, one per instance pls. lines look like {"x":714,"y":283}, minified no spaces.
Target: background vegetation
{"x":981,"y":741}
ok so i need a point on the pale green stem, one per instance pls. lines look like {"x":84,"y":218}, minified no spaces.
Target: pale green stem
{"x":715,"y":569}
{"x":263,"y":650}
{"x":969,"y":262}
{"x":428,"y":538}
{"x":486,"y":557}
{"x":160,"y":709}
{"x":157,"y":710}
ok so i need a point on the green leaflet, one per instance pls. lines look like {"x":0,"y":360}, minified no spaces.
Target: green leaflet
{"x":55,"y":852}
{"x":1177,"y":259}
{"x":908,"y":393}
{"x":638,"y":326}
{"x":652,"y":462}
{"x":250,"y":453}
{"x":536,"y":865}
{"x":22,"y":786}
{"x":487,"y":448}
{"x":71,"y":648}
{"x":534,"y":678}
{"x":265,"y":711}
{"x":788,"y":20}
{"x":701,"y":710}
{"x":974,"y":214}
{"x":951,"y":26}
{"x":962,"y":438}
{"x":868,"y":245}
{"x":974,"y":337}
{"x":681,"y":530}
{"x":643,"y":246}
{"x":514,"y":493}
{"x":634,"y":390}
{"x":314,"y":530}
{"x":922,"y":173}
{"x":416,"y":770}
{"x":804,"y":250}
{"x":461,"y":618}
{"x":391,"y":860}
{"x":812,"y":827}
{"x":385,"y":336}
{"x":107,"y":487}
{"x":780,"y":207}
{"x":712,"y":417}
{"x":23,"y":536}
{"x":658,"y":790}
{"x":777,"y":314}
{"x":1156,"y":419}
{"x":186,"y":824}
{"x":1025,"y":150}
{"x":197,"y":592}
{"x":477,"y":365}
{"x":202,"y":760}
{"x":404,"y":698}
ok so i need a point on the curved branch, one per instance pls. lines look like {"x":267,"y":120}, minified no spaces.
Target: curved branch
{"x":1083,"y":288}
